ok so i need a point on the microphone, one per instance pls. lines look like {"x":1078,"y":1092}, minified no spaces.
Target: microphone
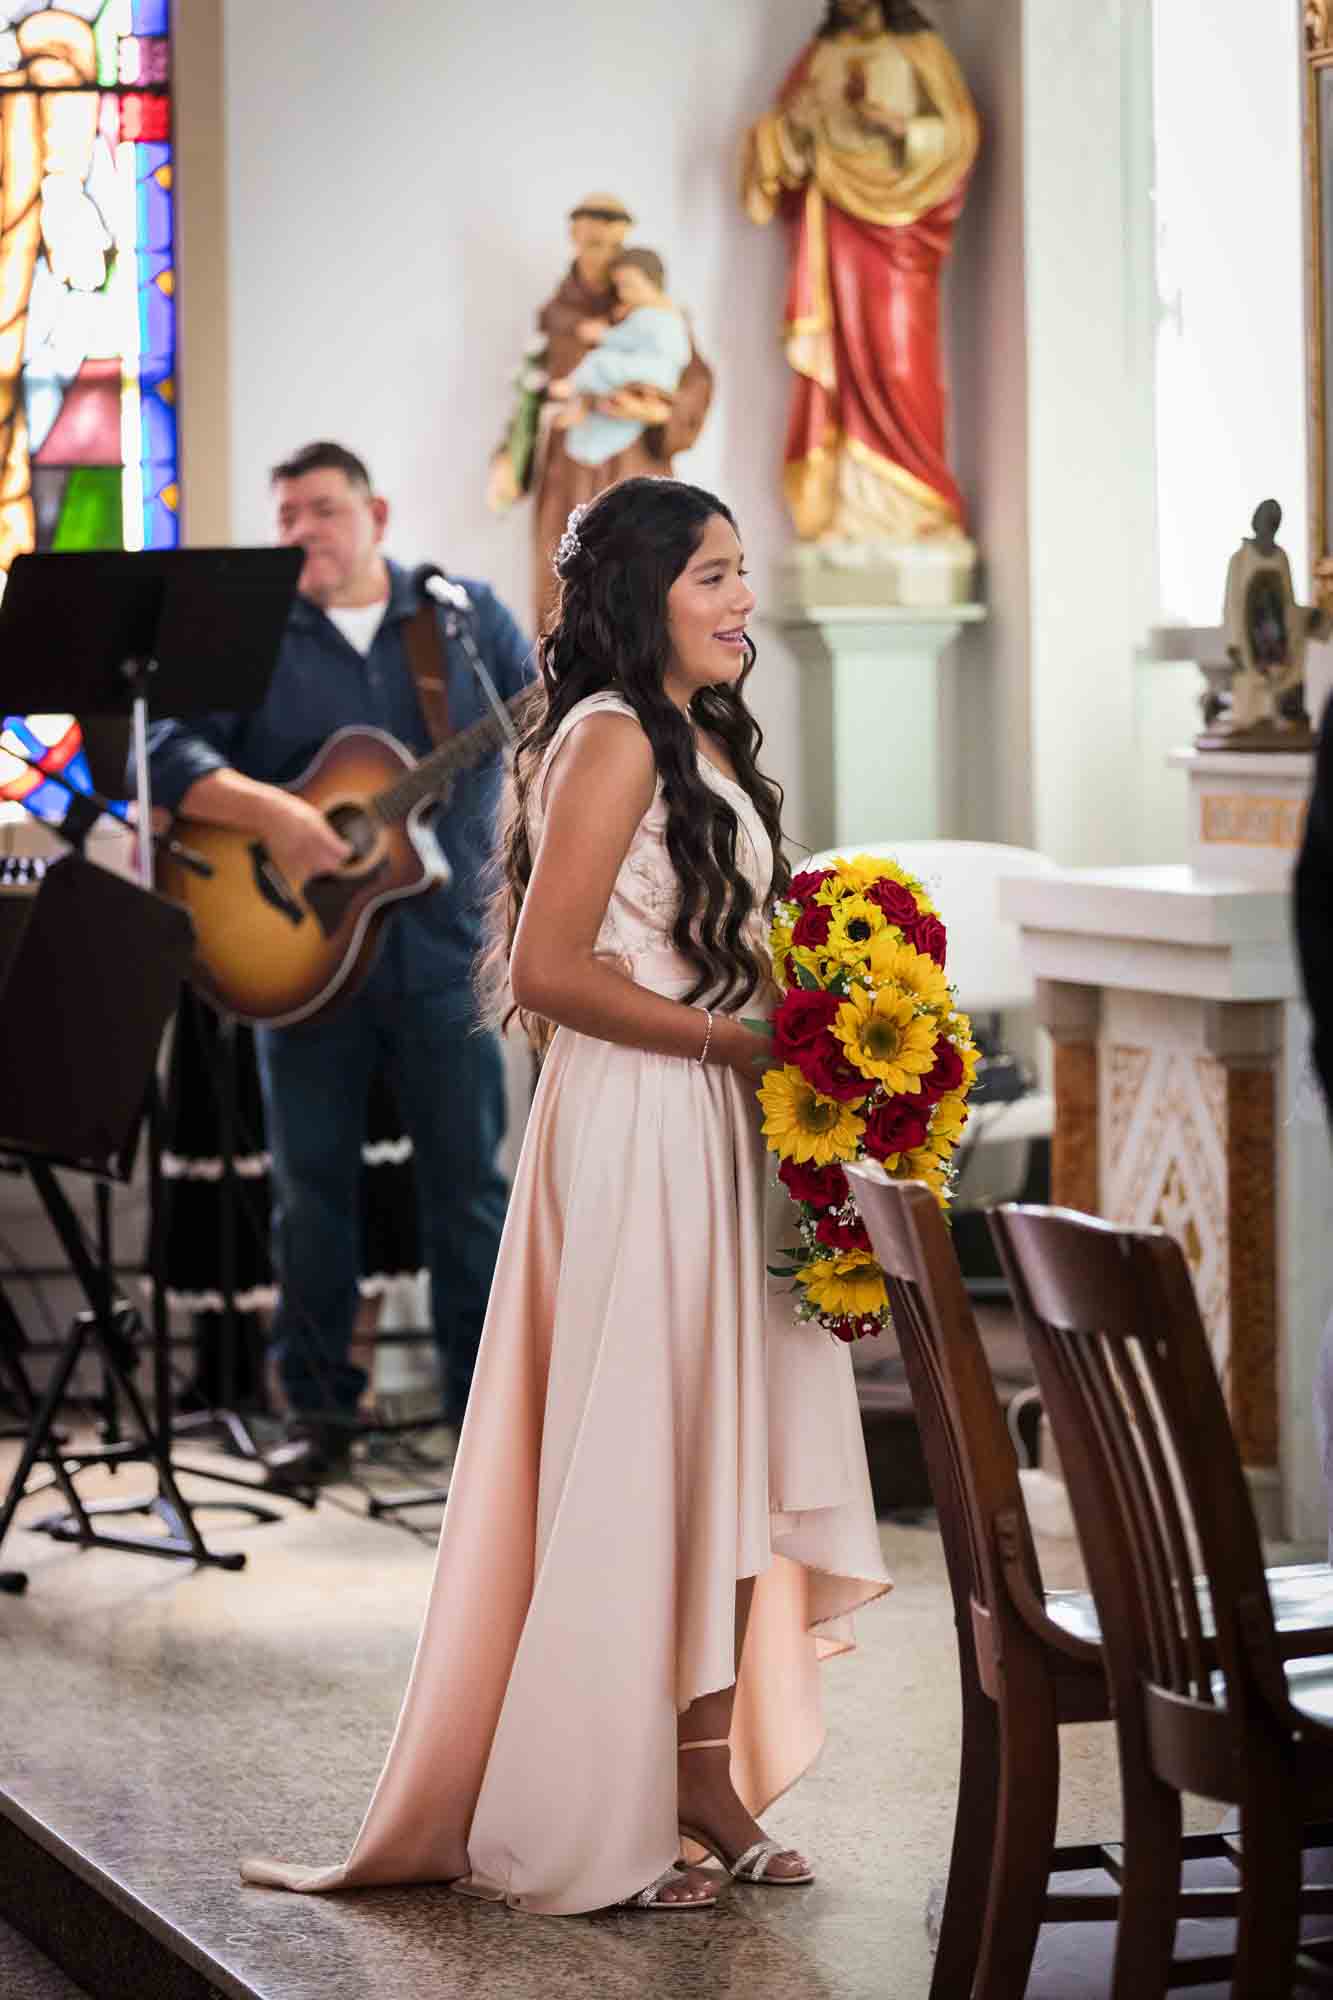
{"x":457,"y":606}
{"x":431,"y":579}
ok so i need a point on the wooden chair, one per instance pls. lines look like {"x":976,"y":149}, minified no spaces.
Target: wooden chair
{"x":1027,"y":1661}
{"x":1223,"y":1690}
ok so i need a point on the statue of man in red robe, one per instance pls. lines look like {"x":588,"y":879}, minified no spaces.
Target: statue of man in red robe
{"x":867,"y":155}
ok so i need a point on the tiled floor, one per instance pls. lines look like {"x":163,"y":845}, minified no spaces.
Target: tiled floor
{"x":167,"y":1720}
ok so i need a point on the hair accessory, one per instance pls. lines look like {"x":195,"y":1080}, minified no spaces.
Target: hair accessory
{"x":702,"y":1056}
{"x":569,"y":546}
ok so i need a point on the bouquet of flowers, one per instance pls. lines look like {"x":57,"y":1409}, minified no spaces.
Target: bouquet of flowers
{"x":873,"y":1061}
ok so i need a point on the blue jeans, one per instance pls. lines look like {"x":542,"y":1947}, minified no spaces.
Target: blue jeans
{"x":449,"y":1082}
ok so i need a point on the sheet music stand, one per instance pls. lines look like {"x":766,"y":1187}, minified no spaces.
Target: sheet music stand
{"x":106,"y":633}
{"x":78,"y":1050}
{"x":102,"y":634}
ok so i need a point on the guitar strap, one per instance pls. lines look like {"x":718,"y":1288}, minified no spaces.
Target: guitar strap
{"x":425,"y":658}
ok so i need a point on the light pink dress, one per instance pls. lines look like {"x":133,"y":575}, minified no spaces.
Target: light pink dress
{"x":648,"y":1423}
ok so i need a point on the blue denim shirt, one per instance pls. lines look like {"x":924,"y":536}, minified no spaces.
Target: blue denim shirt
{"x":320,"y":684}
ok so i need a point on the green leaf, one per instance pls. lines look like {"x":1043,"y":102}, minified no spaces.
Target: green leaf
{"x":805,"y":979}
{"x":783,"y":1270}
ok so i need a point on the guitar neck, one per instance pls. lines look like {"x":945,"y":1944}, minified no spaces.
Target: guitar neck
{"x":432,"y":777}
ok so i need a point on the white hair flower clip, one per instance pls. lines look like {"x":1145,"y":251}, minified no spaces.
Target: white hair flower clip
{"x":569,"y":545}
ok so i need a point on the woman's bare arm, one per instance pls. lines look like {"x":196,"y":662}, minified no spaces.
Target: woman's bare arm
{"x":599,"y":788}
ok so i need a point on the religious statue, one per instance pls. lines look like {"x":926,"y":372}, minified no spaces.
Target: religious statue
{"x":637,"y":417}
{"x":867,"y":155}
{"x":1266,"y":633}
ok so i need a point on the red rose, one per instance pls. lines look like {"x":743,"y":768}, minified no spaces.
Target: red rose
{"x":821,"y":1187}
{"x":946,"y":1074}
{"x":812,"y":925}
{"x":928,"y":935}
{"x":842,"y":1235}
{"x":898,"y":1126}
{"x":897,"y":902}
{"x":824,"y":1065}
{"x":806,"y":886}
{"x":801,"y":1020}
{"x":850,"y":1329}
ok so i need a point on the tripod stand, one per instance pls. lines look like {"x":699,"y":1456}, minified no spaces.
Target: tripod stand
{"x":74,"y":1065}
{"x":93,"y":634}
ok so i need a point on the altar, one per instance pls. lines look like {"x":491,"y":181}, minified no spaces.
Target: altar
{"x":1185,"y":1098}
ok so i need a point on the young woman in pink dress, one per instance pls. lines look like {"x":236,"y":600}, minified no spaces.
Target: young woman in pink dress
{"x":660,"y":1514}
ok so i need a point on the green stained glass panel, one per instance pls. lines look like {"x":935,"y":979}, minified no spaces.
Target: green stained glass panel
{"x":91,"y":516}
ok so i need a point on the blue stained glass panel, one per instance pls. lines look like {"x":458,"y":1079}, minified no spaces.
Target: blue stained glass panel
{"x":149,"y":17}
{"x":157,"y":324}
{"x":159,"y":430}
{"x":161,"y":527}
{"x":154,"y":216}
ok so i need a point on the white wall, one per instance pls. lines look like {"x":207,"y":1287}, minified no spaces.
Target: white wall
{"x":985,"y":721}
{"x":398,"y":183}
{"x":1231,"y":393}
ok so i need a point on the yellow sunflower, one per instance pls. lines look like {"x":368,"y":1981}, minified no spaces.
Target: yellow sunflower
{"x":801,"y":1125}
{"x":855,"y":875}
{"x":779,"y":939}
{"x":854,"y":923}
{"x":903,"y":965}
{"x":925,"y":1165}
{"x":808,"y":958}
{"x":884,"y":1036}
{"x":947,"y":1122}
{"x":850,"y":1284}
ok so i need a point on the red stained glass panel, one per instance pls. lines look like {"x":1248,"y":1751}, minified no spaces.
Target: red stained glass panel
{"x":145,"y":118}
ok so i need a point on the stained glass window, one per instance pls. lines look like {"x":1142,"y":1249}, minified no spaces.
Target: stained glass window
{"x":88,"y":455}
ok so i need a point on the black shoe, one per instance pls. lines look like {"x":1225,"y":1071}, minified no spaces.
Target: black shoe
{"x":308,"y":1458}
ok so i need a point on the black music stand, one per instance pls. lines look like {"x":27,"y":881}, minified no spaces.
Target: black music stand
{"x":107,"y":633}
{"x":75,"y":1061}
{"x":101,"y":635}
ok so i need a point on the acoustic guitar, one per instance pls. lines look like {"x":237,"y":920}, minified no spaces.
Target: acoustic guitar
{"x":268,"y":951}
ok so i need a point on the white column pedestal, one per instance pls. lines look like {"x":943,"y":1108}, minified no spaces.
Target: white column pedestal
{"x":1183,"y":1100}
{"x":870,"y":716}
{"x":1247,"y":810}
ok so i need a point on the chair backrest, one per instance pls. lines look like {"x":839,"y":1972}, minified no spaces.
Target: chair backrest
{"x":970,"y":1456}
{"x":1154,"y":1475}
{"x":986,"y":961}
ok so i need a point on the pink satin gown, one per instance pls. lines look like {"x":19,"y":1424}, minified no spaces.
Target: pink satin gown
{"x":648,"y":1424}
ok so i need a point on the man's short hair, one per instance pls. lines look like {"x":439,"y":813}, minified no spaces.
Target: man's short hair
{"x":323,"y":456}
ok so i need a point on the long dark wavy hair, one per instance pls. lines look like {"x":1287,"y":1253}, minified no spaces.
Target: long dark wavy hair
{"x":610,"y":632}
{"x":900,"y":18}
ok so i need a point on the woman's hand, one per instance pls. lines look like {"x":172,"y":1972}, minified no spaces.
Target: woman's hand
{"x":747,"y":1050}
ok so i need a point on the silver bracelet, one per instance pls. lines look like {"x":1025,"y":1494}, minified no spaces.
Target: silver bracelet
{"x":702,"y":1056}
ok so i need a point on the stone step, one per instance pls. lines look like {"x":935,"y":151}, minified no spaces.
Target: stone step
{"x":27,"y":1974}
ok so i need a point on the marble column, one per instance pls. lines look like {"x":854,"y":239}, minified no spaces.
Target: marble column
{"x":870,"y":716}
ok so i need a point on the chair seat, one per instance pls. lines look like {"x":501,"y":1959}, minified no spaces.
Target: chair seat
{"x":1310,"y":1687}
{"x":1025,"y":1119}
{"x":1301,"y":1594}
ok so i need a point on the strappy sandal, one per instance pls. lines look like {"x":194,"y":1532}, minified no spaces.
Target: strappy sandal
{"x":754,"y":1864}
{"x":651,"y":1898}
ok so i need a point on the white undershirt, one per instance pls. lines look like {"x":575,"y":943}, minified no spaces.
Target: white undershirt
{"x":358,"y":623}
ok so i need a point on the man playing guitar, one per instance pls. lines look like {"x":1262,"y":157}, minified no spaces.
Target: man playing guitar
{"x":345,"y":660}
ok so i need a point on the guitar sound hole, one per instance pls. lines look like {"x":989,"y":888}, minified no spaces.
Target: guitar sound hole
{"x":354,"y":825}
